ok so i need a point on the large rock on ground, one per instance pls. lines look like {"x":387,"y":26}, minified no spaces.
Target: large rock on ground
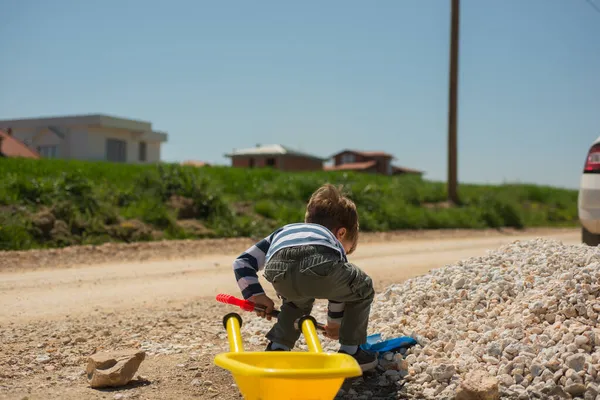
{"x":114,"y":368}
{"x":478,"y":385}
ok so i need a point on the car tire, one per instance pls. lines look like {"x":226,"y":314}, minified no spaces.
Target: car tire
{"x":589,"y":238}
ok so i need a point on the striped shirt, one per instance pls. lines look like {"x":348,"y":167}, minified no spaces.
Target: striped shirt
{"x":247,"y":265}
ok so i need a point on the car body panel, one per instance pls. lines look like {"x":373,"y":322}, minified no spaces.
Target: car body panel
{"x":588,"y":201}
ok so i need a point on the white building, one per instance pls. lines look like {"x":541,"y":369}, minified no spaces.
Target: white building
{"x":89,"y":137}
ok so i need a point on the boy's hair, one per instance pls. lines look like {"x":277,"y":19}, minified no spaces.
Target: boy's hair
{"x":329,"y":207}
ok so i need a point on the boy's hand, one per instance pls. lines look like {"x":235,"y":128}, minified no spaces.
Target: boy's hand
{"x":266,"y":302}
{"x":332,"y":330}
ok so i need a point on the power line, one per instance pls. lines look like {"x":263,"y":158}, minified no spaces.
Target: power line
{"x":593,"y":5}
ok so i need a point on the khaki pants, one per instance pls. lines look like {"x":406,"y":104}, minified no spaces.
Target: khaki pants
{"x":302,"y":274}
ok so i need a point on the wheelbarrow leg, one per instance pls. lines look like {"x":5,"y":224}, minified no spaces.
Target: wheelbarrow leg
{"x":307,"y":323}
{"x":233,"y":322}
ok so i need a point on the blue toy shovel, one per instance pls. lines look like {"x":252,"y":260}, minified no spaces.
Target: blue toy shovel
{"x":375,"y":344}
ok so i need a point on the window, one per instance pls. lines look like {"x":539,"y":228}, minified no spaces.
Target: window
{"x":251,"y":163}
{"x":143,"y":151}
{"x":270,"y":162}
{"x":348,"y":158}
{"x":116,"y":150}
{"x":48,"y":151}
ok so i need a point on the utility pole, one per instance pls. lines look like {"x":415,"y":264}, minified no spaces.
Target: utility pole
{"x":453,"y":104}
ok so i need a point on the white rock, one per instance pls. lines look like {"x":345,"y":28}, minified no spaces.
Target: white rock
{"x":459,"y":283}
{"x":490,"y":360}
{"x":43,"y":358}
{"x":478,"y":385}
{"x":575,"y":389}
{"x":494,"y":349}
{"x":580,"y":340}
{"x":576,"y":362}
{"x":443,"y":372}
{"x":506,"y":380}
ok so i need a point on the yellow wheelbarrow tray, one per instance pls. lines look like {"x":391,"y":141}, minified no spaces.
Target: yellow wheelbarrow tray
{"x":285,"y":375}
{"x":291,"y":365}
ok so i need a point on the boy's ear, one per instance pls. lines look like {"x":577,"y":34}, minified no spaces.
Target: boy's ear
{"x":341,"y":233}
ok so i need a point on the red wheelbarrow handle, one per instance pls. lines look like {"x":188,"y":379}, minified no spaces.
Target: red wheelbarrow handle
{"x":250,"y":306}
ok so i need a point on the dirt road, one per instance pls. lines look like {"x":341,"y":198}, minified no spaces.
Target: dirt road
{"x":120,"y":305}
{"x":56,"y":293}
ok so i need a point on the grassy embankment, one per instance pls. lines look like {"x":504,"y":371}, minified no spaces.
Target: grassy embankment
{"x":55,"y":203}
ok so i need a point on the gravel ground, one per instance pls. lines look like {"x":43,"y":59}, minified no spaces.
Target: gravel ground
{"x":526,"y":314}
{"x":46,"y":360}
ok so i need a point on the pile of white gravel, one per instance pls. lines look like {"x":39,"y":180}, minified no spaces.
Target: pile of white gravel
{"x":526,"y":314}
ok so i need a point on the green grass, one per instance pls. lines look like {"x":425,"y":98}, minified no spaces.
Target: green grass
{"x":99,"y":202}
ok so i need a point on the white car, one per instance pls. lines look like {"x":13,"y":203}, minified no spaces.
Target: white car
{"x":589,"y":197}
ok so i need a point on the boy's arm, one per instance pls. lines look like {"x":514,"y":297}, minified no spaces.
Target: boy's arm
{"x":246,"y":266}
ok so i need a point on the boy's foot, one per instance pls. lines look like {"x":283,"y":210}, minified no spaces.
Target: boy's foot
{"x":367,"y":361}
{"x":270,"y":348}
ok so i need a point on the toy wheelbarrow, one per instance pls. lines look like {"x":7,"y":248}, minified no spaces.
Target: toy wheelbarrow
{"x":285,"y":375}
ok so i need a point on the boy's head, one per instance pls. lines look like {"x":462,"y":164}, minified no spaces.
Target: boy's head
{"x":329,"y":207}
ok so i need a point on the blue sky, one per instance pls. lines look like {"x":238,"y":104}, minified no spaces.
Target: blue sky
{"x":321,"y":76}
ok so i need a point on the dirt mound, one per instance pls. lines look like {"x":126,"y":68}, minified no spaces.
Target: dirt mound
{"x":131,"y":231}
{"x":195,"y":228}
{"x":185,"y":207}
{"x":44,"y":222}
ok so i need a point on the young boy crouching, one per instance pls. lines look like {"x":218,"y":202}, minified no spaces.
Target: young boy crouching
{"x":308,"y":261}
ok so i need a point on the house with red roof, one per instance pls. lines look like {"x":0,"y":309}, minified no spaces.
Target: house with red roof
{"x":12,"y":147}
{"x":275,"y":156}
{"x":377,"y":162}
{"x":195,"y":163}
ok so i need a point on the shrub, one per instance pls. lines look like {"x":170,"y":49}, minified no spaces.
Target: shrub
{"x":90,"y":200}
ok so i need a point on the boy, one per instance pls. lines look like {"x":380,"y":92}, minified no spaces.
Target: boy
{"x":307,"y":261}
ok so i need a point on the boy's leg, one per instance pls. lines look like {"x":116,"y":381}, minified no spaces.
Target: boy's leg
{"x":343,"y":282}
{"x":283,"y":332}
{"x":316,"y":272}
{"x":279,"y":272}
{"x":355,"y":289}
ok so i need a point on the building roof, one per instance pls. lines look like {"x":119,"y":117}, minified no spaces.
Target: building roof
{"x":194,"y":163}
{"x":406,"y":170}
{"x":12,"y":147}
{"x":365,"y":153}
{"x":271,"y":150}
{"x":359,"y":166}
{"x":99,"y":120}
{"x":362,"y":166}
